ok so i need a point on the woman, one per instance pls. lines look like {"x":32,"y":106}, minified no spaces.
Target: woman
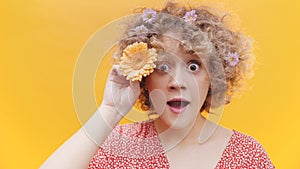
{"x":175,"y":62}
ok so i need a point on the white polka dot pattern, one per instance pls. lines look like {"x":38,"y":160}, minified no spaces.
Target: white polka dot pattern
{"x":131,"y":146}
{"x":244,"y":151}
{"x":137,"y":146}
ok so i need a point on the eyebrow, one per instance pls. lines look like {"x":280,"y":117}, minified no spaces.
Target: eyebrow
{"x":161,"y":55}
{"x":190,"y":52}
{"x":193,"y":56}
{"x":190,"y":55}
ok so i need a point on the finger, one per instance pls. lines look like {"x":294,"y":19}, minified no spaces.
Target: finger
{"x":133,"y":92}
{"x":117,"y":76}
{"x":115,"y":70}
{"x":135,"y":87}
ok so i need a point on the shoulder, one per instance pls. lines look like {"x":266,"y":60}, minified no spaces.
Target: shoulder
{"x":131,"y":132}
{"x":131,"y":140}
{"x":126,"y":139}
{"x":143,"y":129}
{"x":132,"y":145}
{"x":244,"y":151}
{"x":245,"y":143}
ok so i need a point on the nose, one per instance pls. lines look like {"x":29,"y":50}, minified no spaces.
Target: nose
{"x":177,"y":82}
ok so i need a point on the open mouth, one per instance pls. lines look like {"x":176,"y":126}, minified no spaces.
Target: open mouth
{"x":177,"y":105}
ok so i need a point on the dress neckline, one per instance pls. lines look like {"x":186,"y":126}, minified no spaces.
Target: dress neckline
{"x":233,"y":135}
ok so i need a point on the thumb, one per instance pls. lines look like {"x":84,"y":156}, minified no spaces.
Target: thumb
{"x":135,"y":87}
{"x":134,"y":91}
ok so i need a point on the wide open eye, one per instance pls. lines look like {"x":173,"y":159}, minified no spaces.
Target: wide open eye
{"x":163,"y":67}
{"x":193,"y":66}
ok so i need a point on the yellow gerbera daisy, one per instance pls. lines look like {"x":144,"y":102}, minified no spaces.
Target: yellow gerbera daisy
{"x":137,"y":61}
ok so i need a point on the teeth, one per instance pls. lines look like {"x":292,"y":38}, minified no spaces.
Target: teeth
{"x":177,"y":104}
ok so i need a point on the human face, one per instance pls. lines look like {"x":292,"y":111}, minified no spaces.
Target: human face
{"x":178,"y":87}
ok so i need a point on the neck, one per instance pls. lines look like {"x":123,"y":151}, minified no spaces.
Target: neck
{"x":171,"y":137}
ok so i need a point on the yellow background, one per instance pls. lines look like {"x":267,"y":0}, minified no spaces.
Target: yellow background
{"x":41,"y":40}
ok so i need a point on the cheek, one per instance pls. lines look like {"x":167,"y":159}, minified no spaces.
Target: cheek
{"x":158,"y":99}
{"x":156,"y":86}
{"x":204,"y":84}
{"x":204,"y":87}
{"x":201,"y":87}
{"x":155,"y":81}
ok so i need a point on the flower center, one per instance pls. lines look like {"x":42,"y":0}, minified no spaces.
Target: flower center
{"x":138,"y":60}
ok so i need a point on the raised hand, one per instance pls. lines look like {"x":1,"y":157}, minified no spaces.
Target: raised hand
{"x":120,"y":94}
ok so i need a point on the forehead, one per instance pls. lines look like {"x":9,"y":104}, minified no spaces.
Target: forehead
{"x":175,"y":49}
{"x":177,"y":56}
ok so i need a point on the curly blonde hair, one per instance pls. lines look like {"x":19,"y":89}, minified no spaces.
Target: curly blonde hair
{"x":209,"y":37}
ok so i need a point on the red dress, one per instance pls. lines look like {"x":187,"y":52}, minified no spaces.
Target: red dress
{"x":137,"y":146}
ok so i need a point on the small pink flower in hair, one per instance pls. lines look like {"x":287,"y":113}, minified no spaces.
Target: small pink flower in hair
{"x":140,"y":29}
{"x":190,"y":16}
{"x":149,"y":15}
{"x":232,"y":58}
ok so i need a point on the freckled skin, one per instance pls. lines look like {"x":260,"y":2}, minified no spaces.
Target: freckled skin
{"x":178,"y":75}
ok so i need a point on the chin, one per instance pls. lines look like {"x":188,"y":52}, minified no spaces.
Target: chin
{"x":178,"y":123}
